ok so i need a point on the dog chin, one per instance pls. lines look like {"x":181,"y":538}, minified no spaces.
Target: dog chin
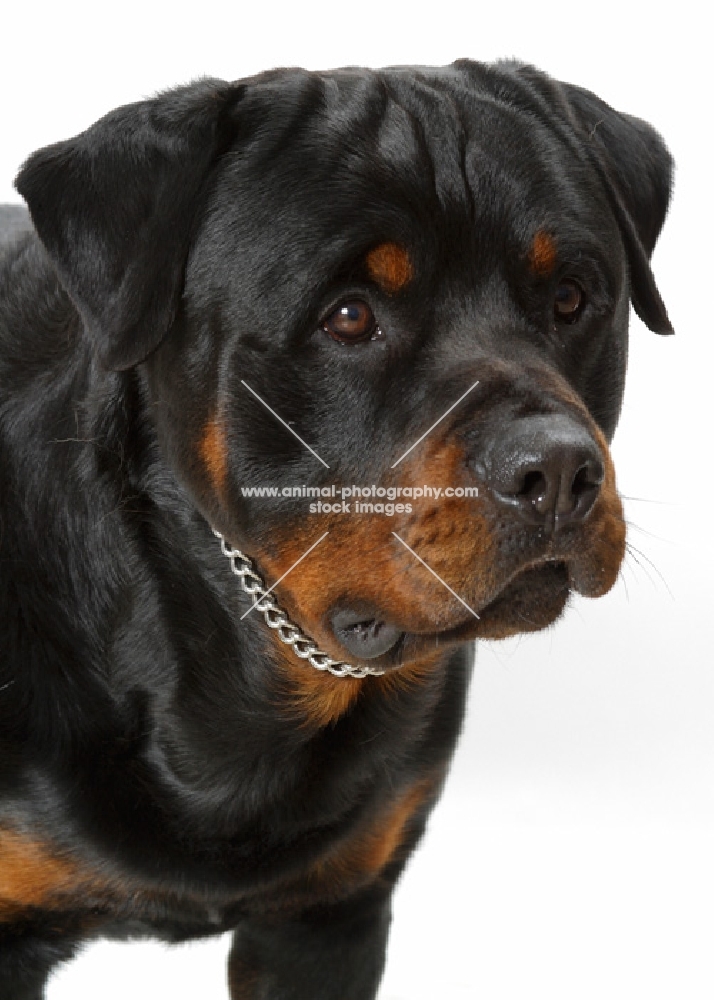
{"x":532,"y":600}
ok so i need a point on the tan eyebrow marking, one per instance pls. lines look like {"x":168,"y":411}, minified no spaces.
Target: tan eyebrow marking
{"x":543,"y":254}
{"x":390,"y":266}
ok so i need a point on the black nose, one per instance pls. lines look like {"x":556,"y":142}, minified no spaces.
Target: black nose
{"x":362,"y":634}
{"x":548,"y":468}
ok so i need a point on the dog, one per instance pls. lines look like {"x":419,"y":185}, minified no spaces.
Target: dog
{"x":307,"y":382}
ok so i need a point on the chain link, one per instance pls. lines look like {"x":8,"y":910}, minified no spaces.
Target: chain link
{"x":275,"y":618}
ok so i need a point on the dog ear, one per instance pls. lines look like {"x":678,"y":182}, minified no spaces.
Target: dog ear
{"x":115,"y":209}
{"x":636,"y":169}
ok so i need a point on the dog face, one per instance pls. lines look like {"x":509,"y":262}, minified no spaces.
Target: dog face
{"x":357,"y":252}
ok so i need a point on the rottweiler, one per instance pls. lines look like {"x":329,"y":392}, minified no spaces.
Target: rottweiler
{"x":307,"y":382}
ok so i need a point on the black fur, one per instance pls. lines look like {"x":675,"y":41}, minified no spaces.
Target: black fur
{"x":181,"y":246}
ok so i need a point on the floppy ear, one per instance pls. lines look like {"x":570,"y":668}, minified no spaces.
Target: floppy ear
{"x":636,"y":169}
{"x":115,"y":207}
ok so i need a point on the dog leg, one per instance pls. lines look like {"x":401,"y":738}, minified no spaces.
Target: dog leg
{"x":26,"y":960}
{"x":334,"y":953}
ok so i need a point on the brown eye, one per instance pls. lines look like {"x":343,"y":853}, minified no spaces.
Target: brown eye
{"x":569,"y":301}
{"x":351,"y":322}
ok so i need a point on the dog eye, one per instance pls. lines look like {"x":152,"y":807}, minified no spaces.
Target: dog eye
{"x":569,"y":301}
{"x":351,"y":323}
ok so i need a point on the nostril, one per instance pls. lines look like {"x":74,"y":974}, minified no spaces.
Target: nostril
{"x":534,"y":488}
{"x":584,"y":490}
{"x":587,"y":477}
{"x":582,"y":482}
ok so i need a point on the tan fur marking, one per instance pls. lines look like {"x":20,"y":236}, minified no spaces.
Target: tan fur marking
{"x":33,"y":875}
{"x":214,"y":453}
{"x":543,"y":254}
{"x":315,"y":697}
{"x":390,"y":266}
{"x":608,"y":531}
{"x":368,"y":852}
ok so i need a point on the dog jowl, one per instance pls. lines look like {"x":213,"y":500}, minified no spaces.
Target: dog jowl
{"x":403,"y":279}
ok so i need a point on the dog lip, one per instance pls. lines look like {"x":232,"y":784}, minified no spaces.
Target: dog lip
{"x":559,"y":583}
{"x":409,"y":645}
{"x":470,"y":621}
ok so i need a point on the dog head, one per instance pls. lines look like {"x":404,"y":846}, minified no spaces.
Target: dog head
{"x":424,"y":275}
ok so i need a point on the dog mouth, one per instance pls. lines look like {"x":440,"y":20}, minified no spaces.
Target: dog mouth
{"x":530,"y":600}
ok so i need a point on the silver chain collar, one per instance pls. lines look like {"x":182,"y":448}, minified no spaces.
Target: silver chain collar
{"x":275,"y":618}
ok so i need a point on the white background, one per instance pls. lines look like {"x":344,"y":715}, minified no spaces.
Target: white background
{"x":572,"y":855}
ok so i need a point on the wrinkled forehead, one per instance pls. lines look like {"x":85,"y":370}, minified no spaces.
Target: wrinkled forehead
{"x":360,"y":156}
